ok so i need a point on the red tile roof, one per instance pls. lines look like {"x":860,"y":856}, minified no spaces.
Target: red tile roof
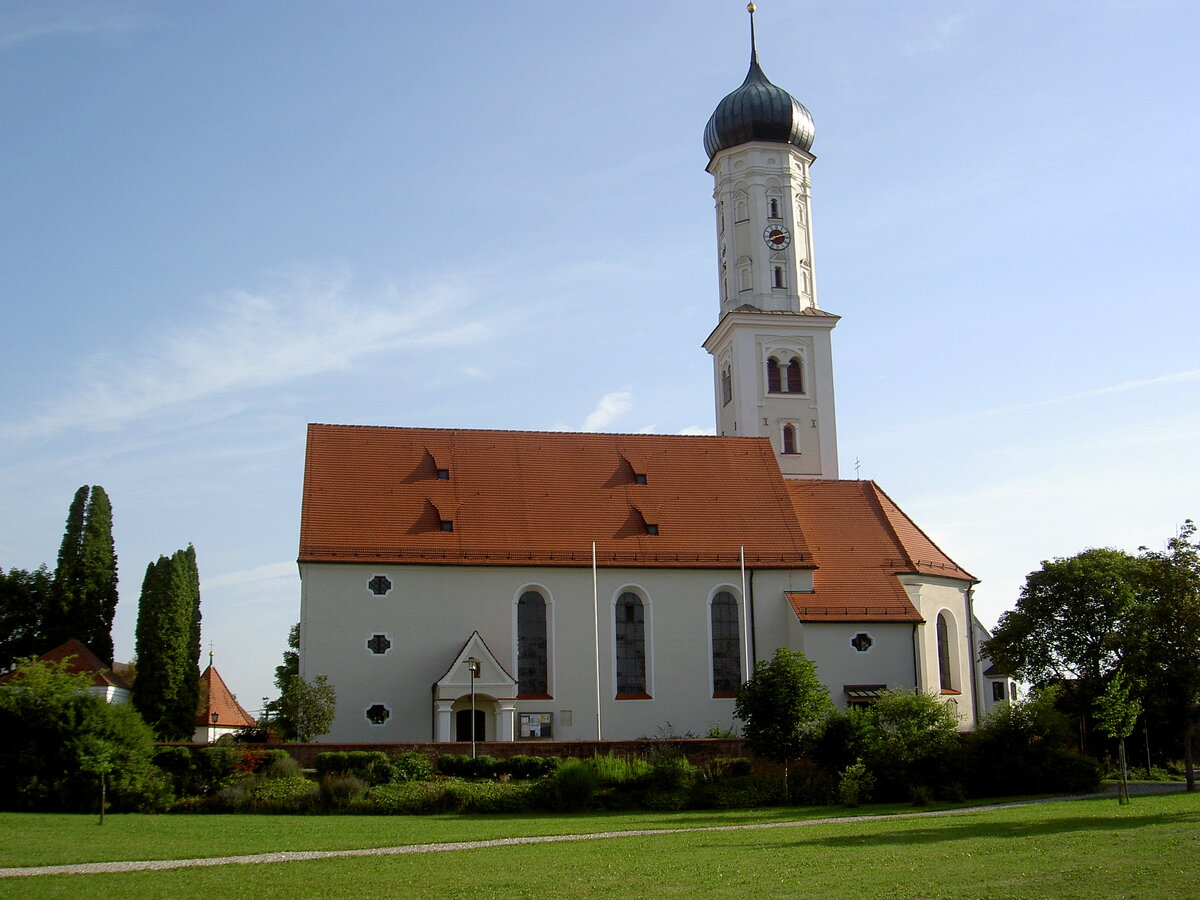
{"x":79,"y":658}
{"x":216,"y":698}
{"x":519,"y":497}
{"x":861,"y":540}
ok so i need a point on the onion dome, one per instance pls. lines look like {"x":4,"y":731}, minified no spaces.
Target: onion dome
{"x":758,"y":111}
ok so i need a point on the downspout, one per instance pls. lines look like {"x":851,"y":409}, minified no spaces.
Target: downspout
{"x":973,"y":651}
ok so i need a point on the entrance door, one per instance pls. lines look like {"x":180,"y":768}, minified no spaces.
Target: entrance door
{"x":462,"y":725}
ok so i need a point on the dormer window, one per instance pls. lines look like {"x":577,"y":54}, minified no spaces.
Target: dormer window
{"x":443,"y":474}
{"x":447,"y":525}
{"x":639,"y":478}
{"x":651,"y":528}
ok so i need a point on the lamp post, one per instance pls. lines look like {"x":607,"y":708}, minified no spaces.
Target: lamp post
{"x":473,"y":667}
{"x":213,"y":718}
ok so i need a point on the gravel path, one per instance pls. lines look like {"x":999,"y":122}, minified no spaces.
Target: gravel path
{"x":299,"y":855}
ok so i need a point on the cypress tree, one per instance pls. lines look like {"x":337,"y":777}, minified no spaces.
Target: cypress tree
{"x":166,"y":691}
{"x":84,"y":597}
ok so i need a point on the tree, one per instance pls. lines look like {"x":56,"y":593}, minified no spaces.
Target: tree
{"x":59,"y":737}
{"x":783,"y":705}
{"x":1069,"y":623}
{"x":166,"y":691}
{"x":84,"y":596}
{"x":1117,"y":712}
{"x":275,"y":717}
{"x":307,"y":707}
{"x":24,"y":598}
{"x":1163,"y":643}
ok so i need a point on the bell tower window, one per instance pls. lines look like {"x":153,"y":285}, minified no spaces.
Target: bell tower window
{"x":795,"y":377}
{"x":777,"y":279}
{"x":789,"y":438}
{"x":773,"y":208}
{"x":726,"y":386}
{"x":774,"y":383}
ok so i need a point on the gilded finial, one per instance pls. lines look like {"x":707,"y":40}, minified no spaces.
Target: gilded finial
{"x":750,"y":7}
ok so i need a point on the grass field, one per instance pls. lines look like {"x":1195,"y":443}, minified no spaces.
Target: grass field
{"x":1063,"y":850}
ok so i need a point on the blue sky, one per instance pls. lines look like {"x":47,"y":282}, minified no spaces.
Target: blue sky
{"x":225,"y":220}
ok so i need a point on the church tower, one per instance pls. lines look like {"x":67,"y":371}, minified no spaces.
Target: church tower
{"x":771,"y":349}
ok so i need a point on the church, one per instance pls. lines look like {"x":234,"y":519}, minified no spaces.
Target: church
{"x":463,"y":584}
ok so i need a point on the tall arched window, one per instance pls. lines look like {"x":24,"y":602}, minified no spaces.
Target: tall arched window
{"x":789,"y":438}
{"x":532,"y":678}
{"x":943,"y":647}
{"x":726,"y":386}
{"x":774,"y":385}
{"x":795,"y":377}
{"x":726,"y":645}
{"x":630,"y":632}
{"x":777,"y":280}
{"x":774,"y":208}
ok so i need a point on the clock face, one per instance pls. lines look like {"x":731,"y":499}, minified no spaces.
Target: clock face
{"x":777,"y":237}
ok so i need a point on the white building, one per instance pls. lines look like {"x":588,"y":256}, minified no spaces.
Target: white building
{"x":445,"y":570}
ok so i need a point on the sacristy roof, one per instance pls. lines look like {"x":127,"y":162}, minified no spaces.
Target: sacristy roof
{"x":215,"y":697}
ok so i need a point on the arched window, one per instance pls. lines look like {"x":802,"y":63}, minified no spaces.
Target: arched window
{"x":726,"y":386}
{"x":943,"y":647}
{"x":774,"y":208}
{"x":630,"y":632}
{"x":531,"y":645}
{"x":726,"y":645}
{"x":777,"y":279}
{"x":773,"y":382}
{"x":789,"y":438}
{"x":795,"y":377}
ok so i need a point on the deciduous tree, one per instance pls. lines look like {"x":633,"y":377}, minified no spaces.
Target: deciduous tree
{"x":24,"y":598}
{"x":783,"y":705}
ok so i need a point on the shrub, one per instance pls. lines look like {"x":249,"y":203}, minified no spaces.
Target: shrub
{"x":280,"y":794}
{"x":368,"y":766}
{"x":576,"y":784}
{"x":59,"y":740}
{"x":673,"y":773}
{"x":341,"y":791}
{"x":455,"y":765}
{"x":855,"y":784}
{"x":411,"y":766}
{"x":524,"y":768}
{"x":617,"y":770}
{"x":280,"y":765}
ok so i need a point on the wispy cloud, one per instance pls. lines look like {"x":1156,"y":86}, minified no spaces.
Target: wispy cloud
{"x":936,"y":36}
{"x":610,"y":407}
{"x":254,"y":339}
{"x":47,"y":20}
{"x":269,"y":572}
{"x":1120,"y":388}
{"x":697,"y":430}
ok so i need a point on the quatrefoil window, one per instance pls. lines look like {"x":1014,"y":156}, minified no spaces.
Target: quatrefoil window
{"x":862,"y":642}
{"x":379,"y":643}
{"x":379,"y":585}
{"x":378,"y":714}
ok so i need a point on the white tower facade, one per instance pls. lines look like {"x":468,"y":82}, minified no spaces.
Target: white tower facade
{"x":771,"y":349}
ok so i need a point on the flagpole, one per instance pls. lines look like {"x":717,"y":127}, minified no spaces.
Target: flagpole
{"x":596,"y":635}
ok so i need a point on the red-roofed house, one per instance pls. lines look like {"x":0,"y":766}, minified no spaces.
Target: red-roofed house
{"x":218,"y":712}
{"x":582,"y":585}
{"x":79,"y":658}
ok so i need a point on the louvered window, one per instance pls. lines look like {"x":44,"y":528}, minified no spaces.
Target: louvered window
{"x":795,"y":377}
{"x":774,"y":383}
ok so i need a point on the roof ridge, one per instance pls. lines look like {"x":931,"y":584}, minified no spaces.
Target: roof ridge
{"x":539,"y":431}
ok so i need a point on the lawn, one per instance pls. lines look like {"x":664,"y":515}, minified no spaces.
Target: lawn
{"x":1062,"y":850}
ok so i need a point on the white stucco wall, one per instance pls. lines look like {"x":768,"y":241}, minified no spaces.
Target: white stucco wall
{"x":933,"y":596}
{"x":431,"y":611}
